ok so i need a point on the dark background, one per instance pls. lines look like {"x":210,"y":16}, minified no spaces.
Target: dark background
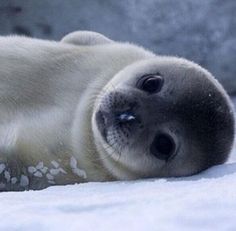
{"x":201,"y":30}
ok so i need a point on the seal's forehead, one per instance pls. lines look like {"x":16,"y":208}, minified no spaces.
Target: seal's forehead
{"x":170,"y":67}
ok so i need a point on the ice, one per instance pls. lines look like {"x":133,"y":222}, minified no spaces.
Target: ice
{"x":38,"y":174}
{"x":24,"y":180}
{"x":7,"y":176}
{"x":49,"y":176}
{"x":73,"y":162}
{"x":55,"y":164}
{"x":2,"y":167}
{"x":13,"y":180}
{"x":54,"y":171}
{"x":40,"y":165}
{"x":32,"y":169}
{"x":203,"y":202}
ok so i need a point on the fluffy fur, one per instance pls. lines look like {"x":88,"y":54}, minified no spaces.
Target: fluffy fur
{"x":48,"y":94}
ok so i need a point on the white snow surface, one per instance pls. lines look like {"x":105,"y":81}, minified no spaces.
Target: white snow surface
{"x":206,"y":201}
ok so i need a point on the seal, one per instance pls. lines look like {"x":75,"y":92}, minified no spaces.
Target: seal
{"x":88,"y":108}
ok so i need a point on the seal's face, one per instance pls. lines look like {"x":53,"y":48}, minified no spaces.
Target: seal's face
{"x":162,"y":117}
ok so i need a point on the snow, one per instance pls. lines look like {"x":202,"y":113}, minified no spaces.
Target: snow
{"x":206,"y":201}
{"x":203,"y":202}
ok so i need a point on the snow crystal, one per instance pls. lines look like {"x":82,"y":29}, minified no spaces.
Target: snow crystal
{"x":40,"y":165}
{"x":62,"y":170}
{"x":44,"y":170}
{"x":75,"y":169}
{"x":79,"y":172}
{"x":2,"y":167}
{"x":24,"y":181}
{"x":13,"y":180}
{"x":31,"y":169}
{"x":49,"y":176}
{"x":7,"y":176}
{"x":38,"y":174}
{"x":54,"y":171}
{"x":55,"y":164}
{"x":73,"y":162}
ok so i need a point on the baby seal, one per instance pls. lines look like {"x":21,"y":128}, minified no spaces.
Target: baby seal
{"x":91,"y":109}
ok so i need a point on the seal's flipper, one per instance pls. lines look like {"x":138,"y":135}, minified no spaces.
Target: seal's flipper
{"x":86,"y":38}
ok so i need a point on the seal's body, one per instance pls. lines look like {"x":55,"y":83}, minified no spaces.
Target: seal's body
{"x":91,"y":109}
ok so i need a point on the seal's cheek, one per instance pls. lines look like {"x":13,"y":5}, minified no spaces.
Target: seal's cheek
{"x":101,"y":123}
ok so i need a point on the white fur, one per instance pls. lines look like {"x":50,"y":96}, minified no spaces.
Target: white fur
{"x":47,"y":90}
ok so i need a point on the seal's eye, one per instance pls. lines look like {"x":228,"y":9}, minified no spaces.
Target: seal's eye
{"x":163,"y":146}
{"x":150,"y":83}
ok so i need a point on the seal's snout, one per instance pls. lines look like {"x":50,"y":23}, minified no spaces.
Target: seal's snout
{"x":119,"y":119}
{"x":125,"y":117}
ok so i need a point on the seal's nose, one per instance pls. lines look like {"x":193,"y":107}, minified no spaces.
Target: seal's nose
{"x":125,"y":117}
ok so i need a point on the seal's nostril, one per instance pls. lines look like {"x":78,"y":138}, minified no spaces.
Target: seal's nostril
{"x":125,"y":117}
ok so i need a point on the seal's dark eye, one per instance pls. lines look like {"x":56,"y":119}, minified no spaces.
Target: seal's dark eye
{"x":150,"y":83}
{"x":163,"y":146}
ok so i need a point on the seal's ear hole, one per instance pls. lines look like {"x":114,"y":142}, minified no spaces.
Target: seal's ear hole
{"x":163,"y":146}
{"x":151,"y":83}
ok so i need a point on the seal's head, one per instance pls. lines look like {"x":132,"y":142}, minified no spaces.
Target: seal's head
{"x":162,"y":117}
